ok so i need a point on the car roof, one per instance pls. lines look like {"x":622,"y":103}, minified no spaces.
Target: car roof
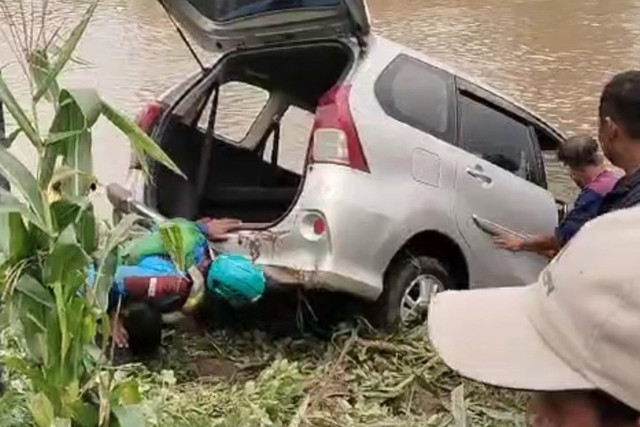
{"x":502,"y":100}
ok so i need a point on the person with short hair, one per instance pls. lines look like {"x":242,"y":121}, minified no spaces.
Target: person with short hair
{"x":572,"y":338}
{"x":147,"y":274}
{"x":582,"y":156}
{"x":619,"y":134}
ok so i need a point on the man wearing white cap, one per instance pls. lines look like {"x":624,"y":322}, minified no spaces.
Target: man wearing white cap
{"x":574,"y":336}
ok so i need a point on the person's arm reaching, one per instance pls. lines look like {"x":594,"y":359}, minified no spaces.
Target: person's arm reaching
{"x":218,"y":230}
{"x":541,"y":244}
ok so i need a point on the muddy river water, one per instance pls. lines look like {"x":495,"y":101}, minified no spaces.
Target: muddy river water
{"x":552,"y":55}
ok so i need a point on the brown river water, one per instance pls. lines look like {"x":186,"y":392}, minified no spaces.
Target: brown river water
{"x":552,"y":55}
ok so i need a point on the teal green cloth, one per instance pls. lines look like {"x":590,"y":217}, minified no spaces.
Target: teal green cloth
{"x":236,"y":279}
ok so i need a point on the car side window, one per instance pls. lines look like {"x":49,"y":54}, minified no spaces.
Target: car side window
{"x":418,"y":95}
{"x":496,"y":137}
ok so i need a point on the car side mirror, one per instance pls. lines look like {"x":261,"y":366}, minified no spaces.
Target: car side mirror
{"x":563,"y":209}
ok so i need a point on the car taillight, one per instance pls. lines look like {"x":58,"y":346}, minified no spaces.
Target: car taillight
{"x":146,"y":119}
{"x":149,"y":115}
{"x":334,"y":138}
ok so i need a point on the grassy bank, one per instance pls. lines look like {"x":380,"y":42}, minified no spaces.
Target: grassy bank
{"x":250,"y":380}
{"x":224,"y":379}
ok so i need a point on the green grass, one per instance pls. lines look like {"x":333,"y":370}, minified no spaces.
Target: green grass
{"x":249,"y":380}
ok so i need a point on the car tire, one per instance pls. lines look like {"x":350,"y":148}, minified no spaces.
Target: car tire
{"x":405,"y":282}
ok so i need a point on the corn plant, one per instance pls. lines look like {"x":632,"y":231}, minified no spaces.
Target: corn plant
{"x":56,"y":269}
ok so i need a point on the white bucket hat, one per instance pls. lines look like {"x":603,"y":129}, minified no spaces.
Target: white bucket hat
{"x":577,"y":328}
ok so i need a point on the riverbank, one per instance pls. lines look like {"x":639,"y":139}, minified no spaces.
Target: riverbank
{"x":224,"y":379}
{"x":351,"y":380}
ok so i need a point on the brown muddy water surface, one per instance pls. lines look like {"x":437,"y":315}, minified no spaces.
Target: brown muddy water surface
{"x":552,"y":55}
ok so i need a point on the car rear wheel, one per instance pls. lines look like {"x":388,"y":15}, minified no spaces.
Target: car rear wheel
{"x":409,"y":285}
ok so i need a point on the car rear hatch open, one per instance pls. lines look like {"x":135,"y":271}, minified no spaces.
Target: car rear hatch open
{"x":227,"y":25}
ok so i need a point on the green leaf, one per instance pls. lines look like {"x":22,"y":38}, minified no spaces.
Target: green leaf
{"x":85,"y":414}
{"x":87,"y":101}
{"x":48,"y":163}
{"x":141,"y":143}
{"x":64,"y":212}
{"x":129,"y":416}
{"x":54,"y":138}
{"x":61,"y":306}
{"x":108,"y":259}
{"x":22,"y":182}
{"x":10,"y":102}
{"x":33,"y":289}
{"x":104,"y":279}
{"x":64,"y":174}
{"x":54,"y":343}
{"x":20,"y":244}
{"x":41,"y":409}
{"x":78,"y":157}
{"x":40,"y":68}
{"x":172,"y":241}
{"x":10,"y":204}
{"x":67,"y":263}
{"x":66,"y":52}
{"x":79,"y":110}
{"x":87,"y":230}
{"x":61,"y":422}
{"x":127,"y":392}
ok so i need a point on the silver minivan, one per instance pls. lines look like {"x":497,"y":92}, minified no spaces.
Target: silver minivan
{"x":394,"y":171}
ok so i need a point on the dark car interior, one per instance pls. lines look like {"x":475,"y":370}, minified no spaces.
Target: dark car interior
{"x":227,"y":179}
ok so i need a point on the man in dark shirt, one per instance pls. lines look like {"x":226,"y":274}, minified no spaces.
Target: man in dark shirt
{"x":582,"y":156}
{"x":619,"y":134}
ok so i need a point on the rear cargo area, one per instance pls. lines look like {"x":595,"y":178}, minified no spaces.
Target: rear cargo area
{"x":260,"y":106}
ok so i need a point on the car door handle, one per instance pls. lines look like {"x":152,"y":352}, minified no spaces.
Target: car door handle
{"x":479,"y":175}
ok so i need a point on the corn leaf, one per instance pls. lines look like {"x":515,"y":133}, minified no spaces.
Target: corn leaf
{"x":23,"y":183}
{"x":141,"y":143}
{"x":33,"y":289}
{"x":20,"y":244}
{"x":11,"y":104}
{"x":78,"y":157}
{"x":64,"y":273}
{"x":107,"y":259}
{"x":10,"y":204}
{"x":129,"y":416}
{"x":48,"y":163}
{"x":65,"y":53}
{"x":63,"y":213}
{"x":67,"y":263}
{"x":40,"y":69}
{"x":172,"y":242}
{"x":42,"y":410}
{"x":53,"y":138}
{"x":79,"y":110}
{"x":64,"y":173}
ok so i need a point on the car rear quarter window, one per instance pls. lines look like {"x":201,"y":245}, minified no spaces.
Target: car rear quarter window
{"x":496,"y":137}
{"x":419,"y":95}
